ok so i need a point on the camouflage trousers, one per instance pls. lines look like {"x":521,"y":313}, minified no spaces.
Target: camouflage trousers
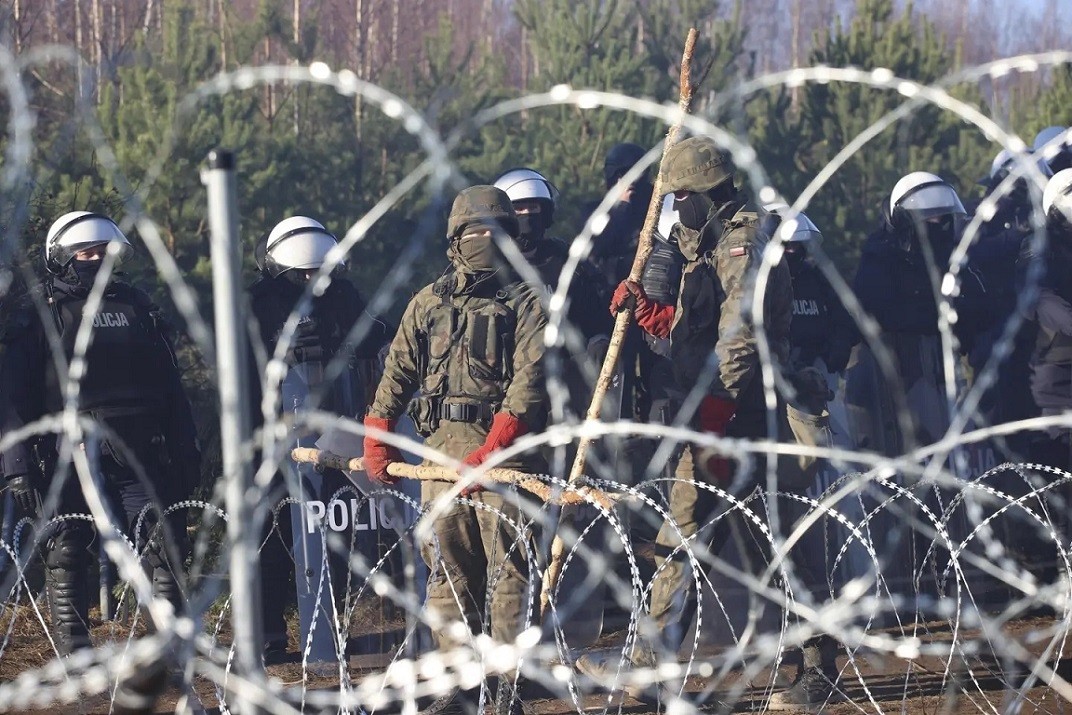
{"x":692,"y":509}
{"x":479,"y":560}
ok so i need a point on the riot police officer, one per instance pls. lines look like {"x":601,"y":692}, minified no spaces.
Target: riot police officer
{"x":287,"y":257}
{"x":1051,"y":361}
{"x":1053,"y":146}
{"x":472,"y":344}
{"x":898,"y":282}
{"x":821,"y":332}
{"x":149,"y":457}
{"x":993,"y":256}
{"x":534,"y":199}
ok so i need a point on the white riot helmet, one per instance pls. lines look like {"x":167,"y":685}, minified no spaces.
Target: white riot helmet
{"x":526,"y":184}
{"x":919,"y":196}
{"x":668,"y":216}
{"x":77,"y":231}
{"x":1052,"y":145}
{"x":298,"y":243}
{"x":1057,"y":198}
{"x":805,"y":230}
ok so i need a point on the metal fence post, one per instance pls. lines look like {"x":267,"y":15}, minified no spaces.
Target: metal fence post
{"x":231,"y":356}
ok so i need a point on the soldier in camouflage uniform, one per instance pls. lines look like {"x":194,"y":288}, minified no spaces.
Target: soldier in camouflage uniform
{"x":717,"y":233}
{"x":472,"y":345}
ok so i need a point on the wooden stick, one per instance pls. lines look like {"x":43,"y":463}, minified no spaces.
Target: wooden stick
{"x":621,"y":322}
{"x":582,"y":495}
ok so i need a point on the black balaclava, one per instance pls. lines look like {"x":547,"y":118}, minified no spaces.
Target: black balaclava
{"x":532,"y":228}
{"x":82,"y":273}
{"x":693,"y":210}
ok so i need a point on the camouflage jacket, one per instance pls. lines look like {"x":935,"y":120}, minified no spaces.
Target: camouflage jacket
{"x":714,"y":306}
{"x":459,"y":343}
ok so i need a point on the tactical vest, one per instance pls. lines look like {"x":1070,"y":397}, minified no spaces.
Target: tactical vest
{"x":467,"y":346}
{"x":126,"y":354}
{"x":699,"y":308}
{"x":662,"y":273}
{"x":813,"y":323}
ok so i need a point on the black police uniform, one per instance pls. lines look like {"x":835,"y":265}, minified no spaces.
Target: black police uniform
{"x":586,"y":294}
{"x":319,"y":337}
{"x":132,"y":386}
{"x":821,"y":328}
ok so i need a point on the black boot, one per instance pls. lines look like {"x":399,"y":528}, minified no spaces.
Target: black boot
{"x":816,"y":683}
{"x":68,"y":597}
{"x":167,"y":587}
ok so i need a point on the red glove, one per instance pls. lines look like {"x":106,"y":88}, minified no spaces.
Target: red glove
{"x":654,"y":318}
{"x":715,"y":415}
{"x":379,"y":454}
{"x":505,"y":428}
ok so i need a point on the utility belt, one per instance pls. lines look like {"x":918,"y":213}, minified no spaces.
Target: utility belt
{"x":306,"y":353}
{"x":428,"y":412}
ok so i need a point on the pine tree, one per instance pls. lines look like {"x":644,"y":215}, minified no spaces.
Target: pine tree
{"x":832,"y":115}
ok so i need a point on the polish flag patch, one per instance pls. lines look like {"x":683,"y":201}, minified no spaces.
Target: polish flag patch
{"x":737,"y":251}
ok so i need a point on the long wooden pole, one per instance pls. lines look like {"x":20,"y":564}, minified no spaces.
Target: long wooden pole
{"x":529,"y":483}
{"x":621,"y":323}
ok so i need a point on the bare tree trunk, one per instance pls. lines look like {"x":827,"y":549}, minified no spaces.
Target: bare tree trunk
{"x":79,"y":73}
{"x":148,"y":15}
{"x":373,"y":46}
{"x":394,"y":31}
{"x":50,"y":22}
{"x":524,"y":60}
{"x":489,"y":35}
{"x":98,"y":42}
{"x":297,"y":43}
{"x":794,"y":49}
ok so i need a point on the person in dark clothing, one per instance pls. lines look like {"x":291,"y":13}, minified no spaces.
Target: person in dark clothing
{"x":994,"y":255}
{"x":1051,"y":361}
{"x":821,"y":333}
{"x":614,"y":247}
{"x":646,"y":384}
{"x":898,"y":283}
{"x":130,"y":387}
{"x":534,"y":199}
{"x":288,"y":257}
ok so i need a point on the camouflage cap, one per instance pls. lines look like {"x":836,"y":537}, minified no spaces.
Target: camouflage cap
{"x":482,"y":204}
{"x":695,"y":164}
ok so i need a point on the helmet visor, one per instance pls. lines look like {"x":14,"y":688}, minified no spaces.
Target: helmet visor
{"x":932,"y":200}
{"x":303,"y":250}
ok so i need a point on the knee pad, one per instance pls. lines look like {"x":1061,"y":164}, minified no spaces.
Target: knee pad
{"x":68,"y":549}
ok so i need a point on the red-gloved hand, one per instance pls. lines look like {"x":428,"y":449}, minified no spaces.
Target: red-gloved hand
{"x":505,"y":428}
{"x":379,"y":454}
{"x":715,"y":415}
{"x":654,"y":318}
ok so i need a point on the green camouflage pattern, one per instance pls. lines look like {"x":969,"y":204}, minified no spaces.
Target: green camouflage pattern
{"x":481,"y":204}
{"x":695,"y":164}
{"x":454,"y":345}
{"x":498,"y":360}
{"x":735,"y":260}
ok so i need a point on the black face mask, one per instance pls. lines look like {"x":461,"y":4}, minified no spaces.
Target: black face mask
{"x":795,"y":255}
{"x":693,"y":210}
{"x":83,"y":273}
{"x":941,"y":233}
{"x":531,"y":231}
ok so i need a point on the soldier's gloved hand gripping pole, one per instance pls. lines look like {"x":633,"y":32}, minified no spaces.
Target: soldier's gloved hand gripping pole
{"x":621,"y":322}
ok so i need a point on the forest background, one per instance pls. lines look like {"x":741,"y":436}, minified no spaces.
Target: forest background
{"x":307,"y":150}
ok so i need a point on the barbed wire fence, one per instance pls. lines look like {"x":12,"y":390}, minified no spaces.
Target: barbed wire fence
{"x":905,"y":554}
